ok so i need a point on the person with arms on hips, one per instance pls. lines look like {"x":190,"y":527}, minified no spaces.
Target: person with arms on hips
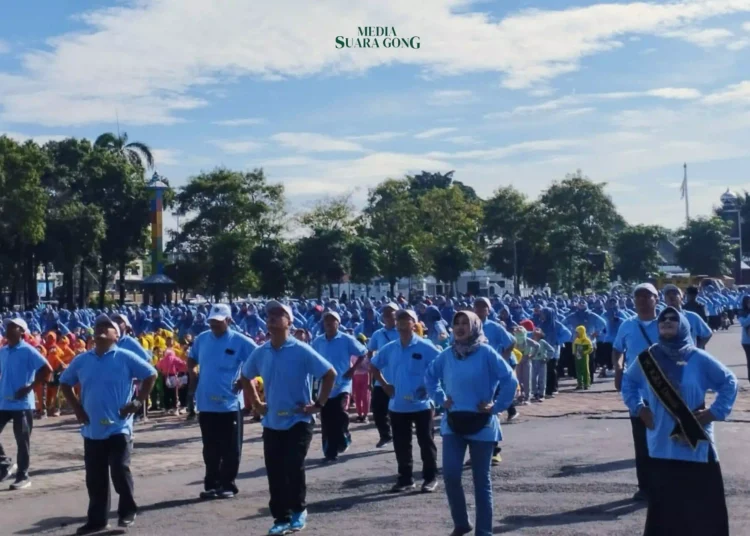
{"x":699,"y":330}
{"x":686,"y":489}
{"x":635,"y":335}
{"x":473,"y":383}
{"x":337,"y":348}
{"x":22,"y":368}
{"x":105,"y":411}
{"x":387,"y":334}
{"x":220,"y":352}
{"x":400,"y":368}
{"x":286,"y":367}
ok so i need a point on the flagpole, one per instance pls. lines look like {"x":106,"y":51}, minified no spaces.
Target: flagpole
{"x":687,"y":203}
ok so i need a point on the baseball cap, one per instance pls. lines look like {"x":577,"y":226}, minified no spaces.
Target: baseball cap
{"x":671,"y":288}
{"x":104,"y":319}
{"x":334,"y":314}
{"x":273,"y":304}
{"x":407,"y":312}
{"x":646,"y":286}
{"x":391,"y":305}
{"x":220,"y":311}
{"x":117,"y":317}
{"x":20,"y":322}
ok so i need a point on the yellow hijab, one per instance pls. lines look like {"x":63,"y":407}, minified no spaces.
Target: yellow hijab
{"x":581,"y":337}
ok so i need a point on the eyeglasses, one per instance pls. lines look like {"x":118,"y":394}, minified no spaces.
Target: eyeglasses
{"x":669,"y":318}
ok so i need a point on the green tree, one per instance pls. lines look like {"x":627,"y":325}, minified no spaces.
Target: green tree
{"x":134,"y":152}
{"x":450,"y":260}
{"x":23,"y":205}
{"x":742,"y":203}
{"x":323,"y":256}
{"x":703,"y":247}
{"x":636,"y":250}
{"x":390,"y":219}
{"x":363,"y":262}
{"x":331,"y":213}
{"x":567,"y":247}
{"x":271,"y":261}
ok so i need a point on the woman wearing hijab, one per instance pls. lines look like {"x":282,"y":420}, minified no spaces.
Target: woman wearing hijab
{"x":686,"y":494}
{"x":473,"y":383}
{"x":744,"y":318}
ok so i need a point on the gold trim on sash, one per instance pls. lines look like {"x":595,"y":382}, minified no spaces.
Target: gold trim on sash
{"x":688,"y":428}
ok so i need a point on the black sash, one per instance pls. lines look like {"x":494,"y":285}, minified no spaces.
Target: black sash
{"x":687,"y":426}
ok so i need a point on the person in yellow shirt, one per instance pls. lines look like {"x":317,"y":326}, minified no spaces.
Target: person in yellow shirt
{"x":582,"y":349}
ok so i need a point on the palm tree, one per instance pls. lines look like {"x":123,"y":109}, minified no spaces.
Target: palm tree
{"x":135,"y":152}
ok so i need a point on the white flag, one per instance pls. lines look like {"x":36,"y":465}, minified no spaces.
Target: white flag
{"x":683,"y":188}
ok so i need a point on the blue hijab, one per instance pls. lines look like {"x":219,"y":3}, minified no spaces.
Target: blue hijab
{"x":673,"y":353}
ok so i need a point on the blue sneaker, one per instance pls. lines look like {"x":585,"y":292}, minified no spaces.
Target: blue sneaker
{"x":298,"y":521}
{"x":279,"y":529}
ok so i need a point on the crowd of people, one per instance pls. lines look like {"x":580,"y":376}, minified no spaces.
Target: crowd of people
{"x":469,"y":360}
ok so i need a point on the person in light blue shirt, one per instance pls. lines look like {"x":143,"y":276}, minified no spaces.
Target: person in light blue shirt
{"x":473,"y":383}
{"x":379,"y":403}
{"x":287,"y":367}
{"x":220,"y":354}
{"x":699,"y":330}
{"x":105,"y":411}
{"x":400,"y":366}
{"x":743,"y":316}
{"x":686,"y":494}
{"x":21,"y":368}
{"x":338,"y":349}
{"x":127,"y":342}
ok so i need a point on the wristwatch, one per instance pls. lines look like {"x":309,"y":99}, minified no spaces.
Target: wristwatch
{"x":137,"y":404}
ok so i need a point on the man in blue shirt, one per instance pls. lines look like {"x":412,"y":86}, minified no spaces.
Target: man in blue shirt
{"x":337,"y":348}
{"x":635,"y":335}
{"x":699,"y":330}
{"x":287,"y":367}
{"x":220,"y":352}
{"x":400,"y":367}
{"x":105,"y":411}
{"x":21,"y":368}
{"x":379,"y":402}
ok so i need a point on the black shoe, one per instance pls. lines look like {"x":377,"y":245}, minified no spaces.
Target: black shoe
{"x":7,"y":470}
{"x":88,"y":528}
{"x":640,"y":496}
{"x":429,"y":486}
{"x":330,"y":459}
{"x":190,"y":417}
{"x":400,"y":488}
{"x":383,"y":443}
{"x":208,"y":494}
{"x":126,"y":521}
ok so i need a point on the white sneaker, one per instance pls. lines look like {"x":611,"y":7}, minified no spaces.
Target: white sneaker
{"x":21,"y":484}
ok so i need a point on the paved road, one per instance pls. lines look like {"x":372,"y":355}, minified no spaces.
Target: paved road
{"x":567,"y":470}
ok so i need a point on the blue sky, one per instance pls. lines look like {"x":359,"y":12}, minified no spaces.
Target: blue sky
{"x":511,"y":92}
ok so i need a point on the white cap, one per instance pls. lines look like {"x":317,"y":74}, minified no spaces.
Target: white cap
{"x":221,"y":312}
{"x":104,"y":319}
{"x":334,"y":314}
{"x":391,"y":305}
{"x":671,"y":288}
{"x":273,"y":304}
{"x":409,"y":312}
{"x":117,"y":317}
{"x":20,"y":322}
{"x":646,"y":286}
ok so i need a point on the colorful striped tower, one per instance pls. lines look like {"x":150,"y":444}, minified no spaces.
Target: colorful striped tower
{"x":157,"y":187}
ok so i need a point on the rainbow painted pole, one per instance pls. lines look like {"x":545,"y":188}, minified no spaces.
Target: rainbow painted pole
{"x":157,"y":187}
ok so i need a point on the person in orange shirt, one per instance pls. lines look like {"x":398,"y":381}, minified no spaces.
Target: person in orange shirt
{"x":56,"y":360}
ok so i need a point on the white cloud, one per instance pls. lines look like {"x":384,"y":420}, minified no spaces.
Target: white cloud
{"x":500,"y":153}
{"x":308,"y":142}
{"x":746,"y":26}
{"x":434,"y":132}
{"x":288,"y":161}
{"x":147,"y":58}
{"x":463,"y":140}
{"x":738,"y":45}
{"x":4,"y":47}
{"x":240,"y":122}
{"x":378,"y":136}
{"x":166,"y":157}
{"x":707,"y":38}
{"x":237,"y":146}
{"x":40,"y":139}
{"x":451,"y":97}
{"x":734,"y":94}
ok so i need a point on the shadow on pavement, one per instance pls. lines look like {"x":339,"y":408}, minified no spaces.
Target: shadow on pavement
{"x":62,"y":522}
{"x":58,"y":470}
{"x":610,"y":511}
{"x":573,"y":470}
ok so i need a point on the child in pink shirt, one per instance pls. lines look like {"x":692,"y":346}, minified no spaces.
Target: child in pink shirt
{"x":361,"y":388}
